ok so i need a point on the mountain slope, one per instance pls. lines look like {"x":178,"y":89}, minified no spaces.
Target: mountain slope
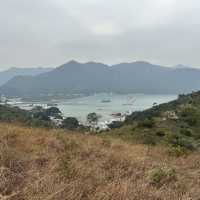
{"x":54,"y":164}
{"x":72,"y":77}
{"x":136,"y":77}
{"x":12,"y":72}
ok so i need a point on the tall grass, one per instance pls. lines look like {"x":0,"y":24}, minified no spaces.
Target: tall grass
{"x":38,"y":164}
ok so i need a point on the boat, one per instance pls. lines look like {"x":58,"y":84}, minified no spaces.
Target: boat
{"x":51,"y":104}
{"x":106,"y":101}
{"x":127,"y":104}
{"x":116,"y":114}
{"x":130,"y":102}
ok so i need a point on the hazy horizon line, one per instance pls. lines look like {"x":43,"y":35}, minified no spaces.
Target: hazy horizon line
{"x":99,"y":62}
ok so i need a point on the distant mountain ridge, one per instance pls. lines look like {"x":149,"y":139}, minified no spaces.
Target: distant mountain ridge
{"x":12,"y":72}
{"x":136,"y":77}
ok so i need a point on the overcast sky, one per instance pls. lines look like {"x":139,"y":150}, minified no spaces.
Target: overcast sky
{"x":51,"y":32}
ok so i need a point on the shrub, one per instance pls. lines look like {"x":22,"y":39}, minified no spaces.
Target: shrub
{"x":145,"y":138}
{"x":190,"y":115}
{"x":176,"y":140}
{"x":160,"y":133}
{"x":147,"y":123}
{"x":92,"y":118}
{"x":186,"y":132}
{"x":191,"y":120}
{"x":37,"y":109}
{"x":54,"y":112}
{"x":115,"y":124}
{"x":186,"y":144}
{"x":70,"y":123}
{"x":149,"y":139}
{"x":161,"y":175}
{"x":177,"y":151}
{"x":41,"y":116}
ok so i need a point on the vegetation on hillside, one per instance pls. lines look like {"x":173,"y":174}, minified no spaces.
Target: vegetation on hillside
{"x":175,"y":124}
{"x":70,"y":123}
{"x":38,"y":117}
{"x":52,"y":165}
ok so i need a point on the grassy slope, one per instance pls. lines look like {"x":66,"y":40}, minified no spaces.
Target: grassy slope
{"x":38,"y":164}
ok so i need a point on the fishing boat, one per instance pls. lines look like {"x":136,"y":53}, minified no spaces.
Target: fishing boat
{"x":105,"y":101}
{"x":130,"y":101}
{"x":51,"y":104}
{"x":116,"y":114}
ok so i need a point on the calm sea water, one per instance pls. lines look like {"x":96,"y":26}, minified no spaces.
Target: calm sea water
{"x":104,"y":104}
{"x":115,"y":103}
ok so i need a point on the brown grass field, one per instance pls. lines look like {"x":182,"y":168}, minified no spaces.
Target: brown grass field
{"x":39,"y":164}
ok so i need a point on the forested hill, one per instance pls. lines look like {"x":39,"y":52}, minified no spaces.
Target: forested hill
{"x":136,"y":77}
{"x":13,"y":72}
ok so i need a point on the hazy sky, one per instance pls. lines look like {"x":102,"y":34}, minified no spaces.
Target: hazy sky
{"x":51,"y":32}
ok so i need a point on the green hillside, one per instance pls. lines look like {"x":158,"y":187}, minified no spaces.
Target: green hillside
{"x":37,"y":117}
{"x":175,"y":124}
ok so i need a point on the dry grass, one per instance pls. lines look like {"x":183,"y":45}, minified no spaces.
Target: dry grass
{"x":38,"y":164}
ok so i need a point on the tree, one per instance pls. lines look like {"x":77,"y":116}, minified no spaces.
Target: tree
{"x":92,"y":118}
{"x":70,"y":123}
{"x":37,"y":109}
{"x":41,"y":116}
{"x":54,"y":112}
{"x":115,"y":124}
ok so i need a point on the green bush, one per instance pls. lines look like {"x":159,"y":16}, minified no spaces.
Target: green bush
{"x":186,"y":132}
{"x":177,"y":151}
{"x":190,"y":115}
{"x":147,"y":123}
{"x":115,"y":124}
{"x":53,"y":112}
{"x":92,"y":118}
{"x":149,"y":139}
{"x":145,"y":138}
{"x":41,"y":116}
{"x":70,"y":123}
{"x":161,"y":175}
{"x":192,"y":120}
{"x":176,"y":140}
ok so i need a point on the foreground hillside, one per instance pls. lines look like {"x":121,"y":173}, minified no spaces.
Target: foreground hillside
{"x":56,"y":165}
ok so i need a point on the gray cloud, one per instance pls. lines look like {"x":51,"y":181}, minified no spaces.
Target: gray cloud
{"x":49,"y":32}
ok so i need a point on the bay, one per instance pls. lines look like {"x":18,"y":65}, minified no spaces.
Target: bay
{"x":106,"y":105}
